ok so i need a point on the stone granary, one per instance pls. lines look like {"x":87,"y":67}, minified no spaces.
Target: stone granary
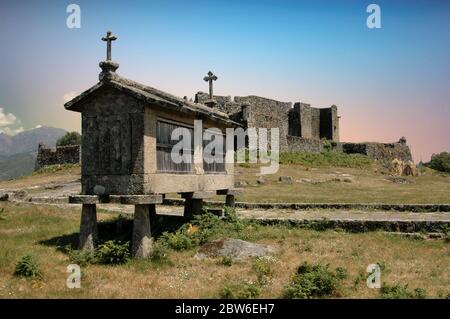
{"x":126,"y":157}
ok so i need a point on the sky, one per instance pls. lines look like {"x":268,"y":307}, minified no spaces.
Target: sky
{"x":387,"y":83}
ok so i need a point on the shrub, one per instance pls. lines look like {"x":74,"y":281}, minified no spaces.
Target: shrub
{"x":398,"y":291}
{"x":113,"y":252}
{"x":440,"y":162}
{"x":246,"y":290}
{"x":312,"y":281}
{"x":81,"y":257}
{"x":178,"y":240}
{"x":341,"y":273}
{"x":70,"y":138}
{"x":28,"y":267}
{"x":263,"y":269}
{"x":159,"y":253}
{"x":226,"y":261}
{"x":327,"y":146}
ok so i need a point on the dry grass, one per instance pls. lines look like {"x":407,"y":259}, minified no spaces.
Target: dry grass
{"x":57,"y":176}
{"x":25,"y":228}
{"x":369,"y":185}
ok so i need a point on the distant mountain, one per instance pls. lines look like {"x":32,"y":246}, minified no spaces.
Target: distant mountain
{"x":16,"y":165}
{"x":28,"y":141}
{"x":18,"y":152}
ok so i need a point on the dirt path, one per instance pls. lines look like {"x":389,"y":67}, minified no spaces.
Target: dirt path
{"x":56,"y":193}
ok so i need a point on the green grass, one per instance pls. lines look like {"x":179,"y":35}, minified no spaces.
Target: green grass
{"x":45,"y":231}
{"x":326,"y":159}
{"x":326,"y":185}
{"x":55,"y":168}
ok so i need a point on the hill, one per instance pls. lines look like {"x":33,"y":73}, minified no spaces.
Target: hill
{"x":18,"y":152}
{"x":16,"y":165}
{"x":28,"y":140}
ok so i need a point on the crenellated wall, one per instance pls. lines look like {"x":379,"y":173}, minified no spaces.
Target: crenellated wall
{"x":302,"y":127}
{"x":61,"y":155}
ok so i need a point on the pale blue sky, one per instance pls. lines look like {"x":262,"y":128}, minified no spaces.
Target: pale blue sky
{"x":387,"y":83}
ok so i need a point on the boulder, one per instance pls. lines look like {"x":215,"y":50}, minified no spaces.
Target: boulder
{"x":285,"y":179}
{"x":396,"y":167}
{"x":20,"y":195}
{"x":410,"y":169}
{"x":240,"y":184}
{"x":304,"y":181}
{"x":4,"y":197}
{"x":234,"y":248}
{"x":261,"y":180}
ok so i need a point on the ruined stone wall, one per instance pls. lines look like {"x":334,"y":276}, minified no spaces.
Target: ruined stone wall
{"x":61,"y":155}
{"x":378,"y":151}
{"x":374,"y":150}
{"x":302,"y":127}
{"x":268,"y":113}
{"x":300,"y":144}
{"x":223,"y":103}
{"x":260,"y":112}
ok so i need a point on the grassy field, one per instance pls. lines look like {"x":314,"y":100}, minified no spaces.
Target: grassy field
{"x":317,"y":178}
{"x":43,"y":231}
{"x":371,"y":184}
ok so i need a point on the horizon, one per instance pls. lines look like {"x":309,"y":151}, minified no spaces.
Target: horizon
{"x":386,"y":83}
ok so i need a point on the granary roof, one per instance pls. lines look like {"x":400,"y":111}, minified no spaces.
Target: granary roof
{"x":152,"y":95}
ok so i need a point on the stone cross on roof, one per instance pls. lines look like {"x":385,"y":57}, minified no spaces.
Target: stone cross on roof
{"x":210,"y":78}
{"x":109,"y":38}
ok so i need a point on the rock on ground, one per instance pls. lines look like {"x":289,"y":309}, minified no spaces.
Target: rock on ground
{"x":285,"y":179}
{"x":261,"y":180}
{"x":3,"y":197}
{"x":234,"y":248}
{"x":240,"y":184}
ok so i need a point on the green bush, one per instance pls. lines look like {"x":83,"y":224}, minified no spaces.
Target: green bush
{"x":178,"y":240}
{"x":159,"y":253}
{"x":240,"y":291}
{"x":70,"y":138}
{"x":81,"y":257}
{"x":204,"y":227}
{"x":262,"y":268}
{"x":440,"y":162}
{"x":226,"y":261}
{"x":341,"y":273}
{"x":398,"y":291}
{"x":113,"y":252}
{"x":28,"y":267}
{"x":326,"y":159}
{"x":313,"y":281}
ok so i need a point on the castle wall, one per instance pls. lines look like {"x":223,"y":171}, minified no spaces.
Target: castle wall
{"x":378,"y":151}
{"x":61,"y":155}
{"x":302,"y":127}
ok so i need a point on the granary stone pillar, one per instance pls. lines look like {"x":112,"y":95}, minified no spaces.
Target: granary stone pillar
{"x":88,"y":227}
{"x":229,"y":201}
{"x":192,"y":206}
{"x":142,"y":242}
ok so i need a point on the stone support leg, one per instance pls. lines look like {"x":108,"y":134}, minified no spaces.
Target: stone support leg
{"x":192,"y":206}
{"x":142,"y":245}
{"x":88,"y":227}
{"x":229,"y":201}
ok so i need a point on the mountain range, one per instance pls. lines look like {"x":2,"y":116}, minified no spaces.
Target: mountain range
{"x":18,"y":152}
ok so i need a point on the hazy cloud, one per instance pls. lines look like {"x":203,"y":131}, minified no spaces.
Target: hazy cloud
{"x":9,"y":123}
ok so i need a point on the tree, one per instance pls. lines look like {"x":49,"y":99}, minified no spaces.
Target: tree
{"x":70,"y":138}
{"x":440,"y":162}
